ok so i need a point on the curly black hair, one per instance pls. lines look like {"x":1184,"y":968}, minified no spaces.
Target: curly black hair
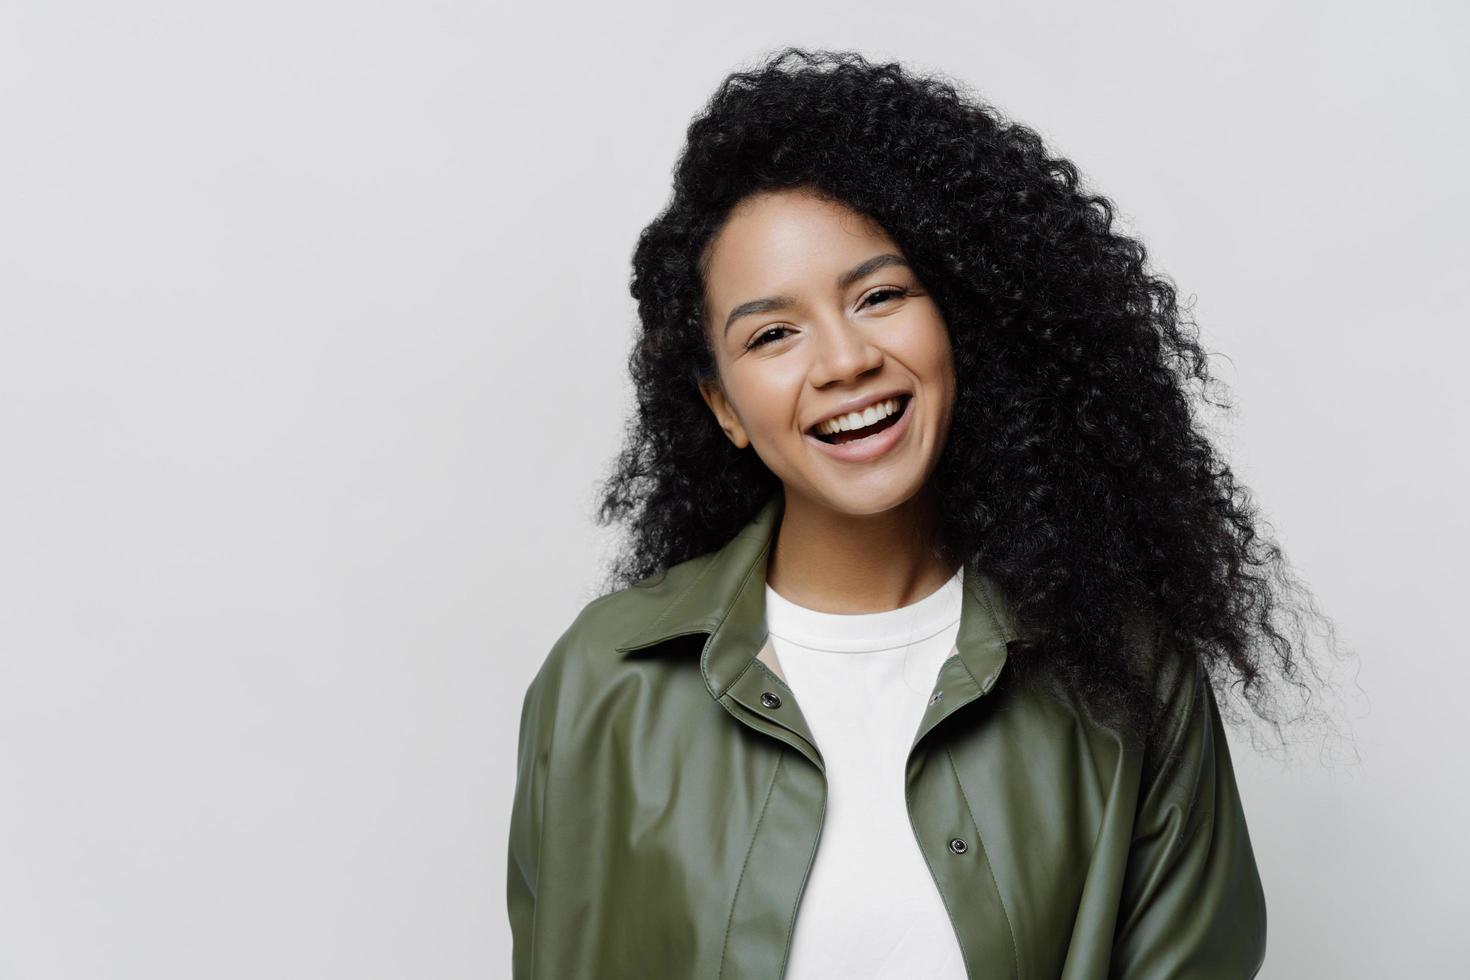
{"x":1075,"y":472}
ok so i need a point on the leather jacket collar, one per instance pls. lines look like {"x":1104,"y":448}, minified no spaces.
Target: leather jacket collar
{"x":726,"y":600}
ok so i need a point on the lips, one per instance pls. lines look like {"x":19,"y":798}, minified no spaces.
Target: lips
{"x":871,"y":447}
{"x":856,"y":405}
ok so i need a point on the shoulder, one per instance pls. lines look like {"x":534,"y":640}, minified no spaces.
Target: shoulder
{"x":1147,"y":726}
{"x":1179,"y":735}
{"x":585,"y":653}
{"x":610,"y":620}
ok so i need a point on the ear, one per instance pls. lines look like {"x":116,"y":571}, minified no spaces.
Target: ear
{"x":714,"y":397}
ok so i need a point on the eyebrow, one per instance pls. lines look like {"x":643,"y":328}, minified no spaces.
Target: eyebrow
{"x":770,"y":304}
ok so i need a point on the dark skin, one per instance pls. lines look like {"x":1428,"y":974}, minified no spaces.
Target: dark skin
{"x":855,"y":537}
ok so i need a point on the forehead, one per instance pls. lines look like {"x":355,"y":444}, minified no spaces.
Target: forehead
{"x":786,"y":241}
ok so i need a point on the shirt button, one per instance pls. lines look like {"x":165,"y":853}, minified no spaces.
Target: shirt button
{"x":958,"y":845}
{"x":770,"y":700}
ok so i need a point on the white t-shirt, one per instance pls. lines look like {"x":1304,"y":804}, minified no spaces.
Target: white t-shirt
{"x":870,"y":908}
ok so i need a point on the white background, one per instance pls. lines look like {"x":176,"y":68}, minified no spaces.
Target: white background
{"x":313,"y":319}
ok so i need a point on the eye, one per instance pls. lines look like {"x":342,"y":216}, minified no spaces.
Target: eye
{"x":764,"y":337}
{"x":884,"y":292}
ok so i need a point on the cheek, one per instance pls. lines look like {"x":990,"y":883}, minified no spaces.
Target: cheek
{"x":931,"y":352}
{"x":935,"y":359}
{"x":767,"y":403}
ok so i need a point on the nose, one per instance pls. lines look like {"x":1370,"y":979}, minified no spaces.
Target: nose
{"x":843,"y":353}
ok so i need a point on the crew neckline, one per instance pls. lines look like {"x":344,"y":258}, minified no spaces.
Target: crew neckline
{"x":865,"y":632}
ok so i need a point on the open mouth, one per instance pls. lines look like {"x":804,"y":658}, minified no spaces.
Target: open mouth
{"x":853,"y":435}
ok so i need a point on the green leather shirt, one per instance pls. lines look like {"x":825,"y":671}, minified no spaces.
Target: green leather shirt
{"x":669,"y":801}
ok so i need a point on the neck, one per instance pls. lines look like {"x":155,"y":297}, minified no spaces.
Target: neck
{"x":856,"y":563}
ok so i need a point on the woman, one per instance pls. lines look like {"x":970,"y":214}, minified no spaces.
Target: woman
{"x":907,"y":669}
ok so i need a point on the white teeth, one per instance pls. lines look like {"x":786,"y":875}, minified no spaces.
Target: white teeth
{"x":857,"y":420}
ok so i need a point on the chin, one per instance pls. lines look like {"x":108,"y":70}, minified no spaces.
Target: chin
{"x":859,"y":500}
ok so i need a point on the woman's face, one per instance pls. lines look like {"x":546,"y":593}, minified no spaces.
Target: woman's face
{"x":812,"y":311}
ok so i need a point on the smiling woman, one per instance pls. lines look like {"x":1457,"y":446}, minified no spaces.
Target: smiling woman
{"x":909,"y":667}
{"x":849,"y":329}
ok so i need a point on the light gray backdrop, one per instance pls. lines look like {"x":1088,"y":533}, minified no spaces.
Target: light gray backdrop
{"x":312,"y":327}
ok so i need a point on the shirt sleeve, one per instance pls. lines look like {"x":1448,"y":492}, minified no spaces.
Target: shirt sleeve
{"x":1193,"y":907}
{"x":532,"y":757}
